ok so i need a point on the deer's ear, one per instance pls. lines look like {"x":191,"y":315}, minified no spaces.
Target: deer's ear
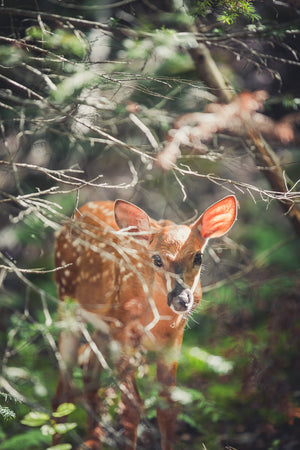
{"x":133,"y":218}
{"x":218,"y":218}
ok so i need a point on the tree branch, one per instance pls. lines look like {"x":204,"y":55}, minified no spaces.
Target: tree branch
{"x":266,"y":158}
{"x":55,"y":17}
{"x":208,"y":71}
{"x":263,"y":154}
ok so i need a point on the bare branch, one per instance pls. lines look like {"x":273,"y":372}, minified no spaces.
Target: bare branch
{"x":55,"y":17}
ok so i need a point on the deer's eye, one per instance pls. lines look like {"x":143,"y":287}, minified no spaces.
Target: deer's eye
{"x":197,"y":259}
{"x":157,"y":260}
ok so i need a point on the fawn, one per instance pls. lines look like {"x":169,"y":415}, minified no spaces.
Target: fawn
{"x":136,"y":280}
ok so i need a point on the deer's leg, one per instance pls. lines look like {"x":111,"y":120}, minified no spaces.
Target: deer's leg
{"x":132,"y":404}
{"x":68,"y":353}
{"x":166,"y":412}
{"x":91,"y":368}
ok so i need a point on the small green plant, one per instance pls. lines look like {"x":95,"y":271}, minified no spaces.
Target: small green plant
{"x":231,"y":10}
{"x":235,"y":9}
{"x":49,"y":426}
{"x":201,"y":8}
{"x":7,"y":413}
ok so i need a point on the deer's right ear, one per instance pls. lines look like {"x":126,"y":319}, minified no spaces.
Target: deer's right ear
{"x":133,"y":218}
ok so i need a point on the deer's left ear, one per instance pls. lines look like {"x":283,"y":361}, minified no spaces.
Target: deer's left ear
{"x":130,"y":216}
{"x":218,"y":218}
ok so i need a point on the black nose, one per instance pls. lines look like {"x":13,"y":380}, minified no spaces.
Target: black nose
{"x":180,"y":299}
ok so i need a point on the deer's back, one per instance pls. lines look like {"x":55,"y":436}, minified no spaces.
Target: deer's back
{"x":98,"y":264}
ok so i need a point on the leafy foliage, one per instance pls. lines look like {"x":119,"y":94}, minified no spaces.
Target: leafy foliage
{"x":6,"y":413}
{"x":33,"y":439}
{"x":48,"y":426}
{"x":232,"y":10}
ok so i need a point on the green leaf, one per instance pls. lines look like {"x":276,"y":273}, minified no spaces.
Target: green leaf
{"x":47,"y":430}
{"x":60,"y":40}
{"x":189,"y":420}
{"x":64,"y":410}
{"x":35,"y":419}
{"x":74,"y":84}
{"x":62,"y":428}
{"x":11,"y":55}
{"x":60,"y":447}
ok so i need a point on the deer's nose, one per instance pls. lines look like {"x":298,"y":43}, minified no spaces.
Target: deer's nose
{"x":180,"y":299}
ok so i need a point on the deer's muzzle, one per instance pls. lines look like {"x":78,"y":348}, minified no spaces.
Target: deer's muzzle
{"x":180,"y":299}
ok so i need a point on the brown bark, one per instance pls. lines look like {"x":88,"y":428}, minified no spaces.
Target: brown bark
{"x":208,"y":71}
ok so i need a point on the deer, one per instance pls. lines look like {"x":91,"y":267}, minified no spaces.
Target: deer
{"x":136,"y":281}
